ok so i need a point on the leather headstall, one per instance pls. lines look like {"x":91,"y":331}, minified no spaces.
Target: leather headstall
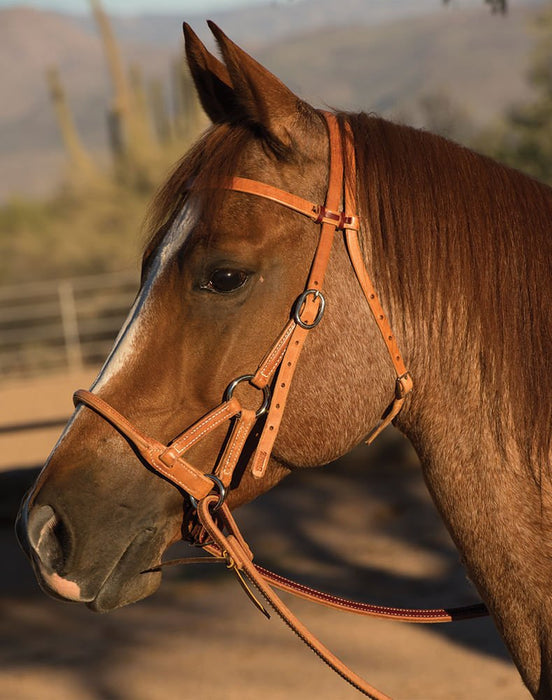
{"x":273,"y":378}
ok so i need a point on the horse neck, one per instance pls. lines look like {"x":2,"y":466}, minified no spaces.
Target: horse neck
{"x":495,"y":500}
{"x":497,"y":515}
{"x":460,"y":248}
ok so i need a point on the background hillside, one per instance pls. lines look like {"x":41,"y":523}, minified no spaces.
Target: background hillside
{"x":380,"y":56}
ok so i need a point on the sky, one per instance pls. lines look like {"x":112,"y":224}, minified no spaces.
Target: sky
{"x":136,"y":6}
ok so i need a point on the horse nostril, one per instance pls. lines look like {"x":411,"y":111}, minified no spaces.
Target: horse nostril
{"x":47,"y":537}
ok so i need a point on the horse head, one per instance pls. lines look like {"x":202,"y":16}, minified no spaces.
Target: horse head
{"x":220,"y":279}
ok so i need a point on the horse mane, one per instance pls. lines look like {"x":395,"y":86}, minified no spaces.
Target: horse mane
{"x":464,"y":245}
{"x":460,"y":242}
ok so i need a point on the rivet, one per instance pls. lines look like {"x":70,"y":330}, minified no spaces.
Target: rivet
{"x":283,"y":385}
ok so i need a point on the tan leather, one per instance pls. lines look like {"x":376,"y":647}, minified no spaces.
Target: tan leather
{"x":419,"y":615}
{"x":278,"y":404}
{"x":317,"y":212}
{"x":240,"y":432}
{"x":355,"y":607}
{"x":205,"y":425}
{"x":233,"y":551}
{"x":273,"y":358}
{"x":166,"y":460}
{"x":315,"y":281}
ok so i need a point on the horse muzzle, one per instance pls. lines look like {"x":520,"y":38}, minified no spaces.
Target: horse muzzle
{"x":125,"y":577}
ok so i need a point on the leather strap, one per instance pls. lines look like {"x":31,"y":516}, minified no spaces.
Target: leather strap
{"x":232,"y":452}
{"x":262,"y":454}
{"x":272,"y":360}
{"x":413,"y":615}
{"x":317,"y":212}
{"x":165,"y":459}
{"x":356,"y":607}
{"x":403,"y":382}
{"x":239,"y":559}
{"x":315,"y":282}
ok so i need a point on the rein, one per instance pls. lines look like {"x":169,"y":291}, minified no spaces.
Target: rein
{"x":273,"y":378}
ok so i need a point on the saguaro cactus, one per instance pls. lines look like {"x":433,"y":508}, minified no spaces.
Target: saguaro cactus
{"x":80,"y":162}
{"x":131,"y":136}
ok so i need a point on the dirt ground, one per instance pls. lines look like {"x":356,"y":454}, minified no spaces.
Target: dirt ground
{"x":199,"y":637}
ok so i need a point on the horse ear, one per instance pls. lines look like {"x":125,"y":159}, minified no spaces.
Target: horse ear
{"x":211,"y":79}
{"x":264,"y":99}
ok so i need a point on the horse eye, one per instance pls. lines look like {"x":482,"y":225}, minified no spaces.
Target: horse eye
{"x":226,"y":280}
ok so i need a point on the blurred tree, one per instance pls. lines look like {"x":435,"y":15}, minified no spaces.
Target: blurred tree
{"x":439,"y":113}
{"x":130,"y":135}
{"x":524,"y":139}
{"x":496,"y":5}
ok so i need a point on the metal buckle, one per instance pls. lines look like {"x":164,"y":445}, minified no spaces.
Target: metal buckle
{"x":247,"y":378}
{"x":403,"y":385}
{"x":299,"y":306}
{"x":221,"y":488}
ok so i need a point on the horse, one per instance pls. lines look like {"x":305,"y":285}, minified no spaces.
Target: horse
{"x":459,"y":248}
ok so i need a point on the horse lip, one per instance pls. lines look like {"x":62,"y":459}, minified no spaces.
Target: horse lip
{"x":90,"y":599}
{"x":136,"y":571}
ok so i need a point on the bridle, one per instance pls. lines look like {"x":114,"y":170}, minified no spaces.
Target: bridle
{"x":278,"y":365}
{"x":273,"y":377}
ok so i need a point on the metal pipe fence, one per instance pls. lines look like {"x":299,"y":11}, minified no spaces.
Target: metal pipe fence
{"x":63,"y":323}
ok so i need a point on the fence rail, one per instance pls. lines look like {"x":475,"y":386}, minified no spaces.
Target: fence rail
{"x":25,"y":427}
{"x":64,"y":323}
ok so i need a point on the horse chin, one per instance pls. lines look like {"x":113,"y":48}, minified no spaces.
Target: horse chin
{"x":131,"y":579}
{"x":118,"y":591}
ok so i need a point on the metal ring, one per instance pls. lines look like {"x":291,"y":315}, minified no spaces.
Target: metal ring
{"x":222,"y":492}
{"x":299,"y":305}
{"x":247,"y":378}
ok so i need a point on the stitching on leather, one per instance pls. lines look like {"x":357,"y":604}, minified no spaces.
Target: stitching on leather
{"x":239,"y":441}
{"x":344,"y":602}
{"x":276,"y":350}
{"x":204,"y":426}
{"x":236,"y":441}
{"x":187,"y":468}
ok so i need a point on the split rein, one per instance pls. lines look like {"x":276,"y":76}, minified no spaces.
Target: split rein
{"x":273,"y":378}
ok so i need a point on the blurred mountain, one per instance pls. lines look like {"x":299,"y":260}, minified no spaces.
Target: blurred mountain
{"x":31,"y":155}
{"x":260,"y":25}
{"x":380,"y":56}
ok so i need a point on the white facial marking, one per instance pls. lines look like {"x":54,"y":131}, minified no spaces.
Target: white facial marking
{"x":125,"y":343}
{"x":63,"y":587}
